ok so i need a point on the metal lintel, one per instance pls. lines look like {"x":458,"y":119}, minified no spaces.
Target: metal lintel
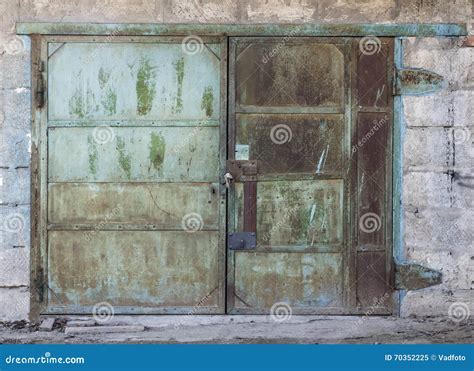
{"x":417,"y":81}
{"x":317,"y":29}
{"x":415,"y":277}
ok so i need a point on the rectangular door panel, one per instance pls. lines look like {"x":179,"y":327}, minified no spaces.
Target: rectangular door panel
{"x":171,"y":154}
{"x":148,"y":81}
{"x":297,"y":214}
{"x":157,"y":205}
{"x":133,"y":269}
{"x":292,"y":143}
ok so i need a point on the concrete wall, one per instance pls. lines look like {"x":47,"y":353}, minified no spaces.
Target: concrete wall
{"x":438,"y":143}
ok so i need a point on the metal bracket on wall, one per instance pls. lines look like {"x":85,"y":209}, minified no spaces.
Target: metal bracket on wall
{"x":416,"y":81}
{"x":415,"y":277}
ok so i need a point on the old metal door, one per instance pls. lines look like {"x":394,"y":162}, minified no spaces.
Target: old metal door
{"x":132,"y":140}
{"x":310,"y":158}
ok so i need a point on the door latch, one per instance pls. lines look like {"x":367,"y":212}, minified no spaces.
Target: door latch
{"x":228,"y":178}
{"x":242,"y":241}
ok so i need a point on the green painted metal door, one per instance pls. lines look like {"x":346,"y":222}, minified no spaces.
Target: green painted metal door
{"x":129,"y":156}
{"x":312,"y":115}
{"x":135,"y":144}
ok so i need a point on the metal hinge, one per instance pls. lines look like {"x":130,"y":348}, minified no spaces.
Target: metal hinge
{"x":39,"y":87}
{"x":416,"y":81}
{"x":414,"y":276}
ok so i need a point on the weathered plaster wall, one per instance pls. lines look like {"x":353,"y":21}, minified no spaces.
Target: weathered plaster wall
{"x":438,"y":144}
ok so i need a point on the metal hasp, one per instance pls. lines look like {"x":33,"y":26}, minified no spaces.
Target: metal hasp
{"x":416,"y":81}
{"x":242,"y":241}
{"x":242,"y":170}
{"x":415,"y":277}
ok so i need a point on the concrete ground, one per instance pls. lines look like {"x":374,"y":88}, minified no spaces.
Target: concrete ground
{"x":246,"y":329}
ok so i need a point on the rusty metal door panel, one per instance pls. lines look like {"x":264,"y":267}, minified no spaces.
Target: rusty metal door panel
{"x":133,"y":269}
{"x":297,"y":214}
{"x":292,"y":74}
{"x":166,"y":154}
{"x":301,"y":280}
{"x":151,"y":205}
{"x":117,"y":80}
{"x":300,"y":113}
{"x":307,"y":143}
{"x":134,"y":147}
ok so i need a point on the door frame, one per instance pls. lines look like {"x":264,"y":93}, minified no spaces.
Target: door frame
{"x":39,"y":32}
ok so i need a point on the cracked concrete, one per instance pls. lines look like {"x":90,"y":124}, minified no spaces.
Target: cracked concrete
{"x":257,"y":329}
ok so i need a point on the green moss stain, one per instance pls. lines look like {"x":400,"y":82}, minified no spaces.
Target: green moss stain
{"x":104,"y":77}
{"x":145,"y":87}
{"x":93,"y":154}
{"x":109,"y":102}
{"x":77,"y":105}
{"x":207,"y":100}
{"x":179,"y":66}
{"x":125,"y":160}
{"x":157,"y":150}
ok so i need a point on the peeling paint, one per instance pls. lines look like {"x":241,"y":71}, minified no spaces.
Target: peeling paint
{"x":179,"y":66}
{"x":124,"y":157}
{"x":103,"y":78}
{"x":145,"y":87}
{"x":109,"y":102}
{"x":93,"y":154}
{"x":157,"y":150}
{"x":76,"y":104}
{"x":207,"y":100}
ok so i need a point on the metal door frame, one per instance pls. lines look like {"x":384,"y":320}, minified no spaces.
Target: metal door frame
{"x":40,"y":32}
